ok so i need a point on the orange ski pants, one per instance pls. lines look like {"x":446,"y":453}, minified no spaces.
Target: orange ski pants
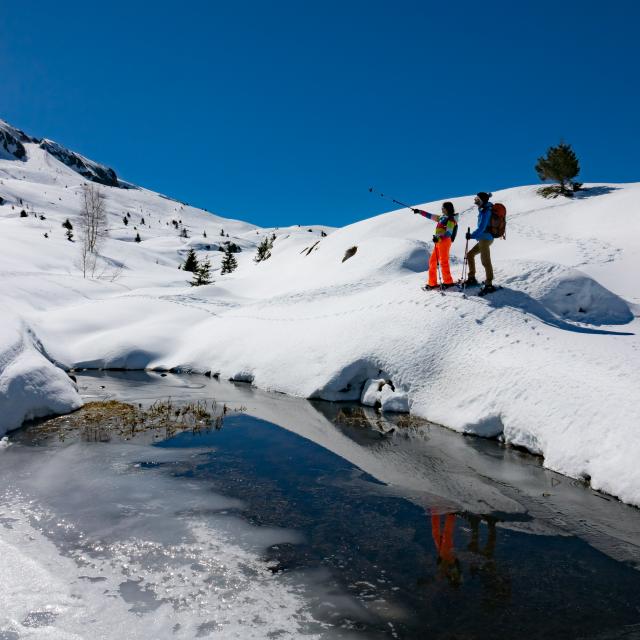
{"x":443,"y":539}
{"x":440,"y":254}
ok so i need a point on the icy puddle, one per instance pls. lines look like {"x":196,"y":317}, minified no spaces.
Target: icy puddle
{"x":296,"y":520}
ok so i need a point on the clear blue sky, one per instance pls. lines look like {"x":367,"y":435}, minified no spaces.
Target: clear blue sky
{"x":286,"y":112}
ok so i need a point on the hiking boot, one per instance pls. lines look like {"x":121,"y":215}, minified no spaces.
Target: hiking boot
{"x":448,"y":285}
{"x":487,"y":288}
{"x":471,"y":282}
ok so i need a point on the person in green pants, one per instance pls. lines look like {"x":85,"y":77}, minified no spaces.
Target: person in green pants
{"x":483,"y":247}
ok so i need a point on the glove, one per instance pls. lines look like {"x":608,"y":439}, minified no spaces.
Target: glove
{"x":468,"y":235}
{"x":416,"y":210}
{"x":435,"y":239}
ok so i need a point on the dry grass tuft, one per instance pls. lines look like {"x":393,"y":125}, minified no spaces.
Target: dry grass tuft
{"x":108,"y":420}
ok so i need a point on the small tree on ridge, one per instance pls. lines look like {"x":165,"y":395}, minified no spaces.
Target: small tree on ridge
{"x":560,"y":165}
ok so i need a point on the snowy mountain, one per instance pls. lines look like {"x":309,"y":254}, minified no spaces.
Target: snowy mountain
{"x":549,"y":362}
{"x":11,"y":142}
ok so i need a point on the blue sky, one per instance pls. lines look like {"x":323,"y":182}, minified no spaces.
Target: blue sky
{"x":286,"y":112}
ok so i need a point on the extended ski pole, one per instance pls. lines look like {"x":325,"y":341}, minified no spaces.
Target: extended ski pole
{"x":386,"y":197}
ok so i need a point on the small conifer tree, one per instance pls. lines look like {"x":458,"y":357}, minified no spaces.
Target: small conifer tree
{"x":229,"y":262}
{"x":125,"y":220}
{"x":69,"y":227}
{"x":138,"y":238}
{"x":560,"y":165}
{"x":264,"y":248}
{"x":202,"y":275}
{"x":191,"y":262}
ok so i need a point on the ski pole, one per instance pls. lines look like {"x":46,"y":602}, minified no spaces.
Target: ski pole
{"x":435,"y":248}
{"x":386,"y":197}
{"x":465,"y":261}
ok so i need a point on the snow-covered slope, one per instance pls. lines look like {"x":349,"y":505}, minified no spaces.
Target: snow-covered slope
{"x":550,"y":362}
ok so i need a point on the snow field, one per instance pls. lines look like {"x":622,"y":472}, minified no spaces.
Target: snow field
{"x":550,"y":362}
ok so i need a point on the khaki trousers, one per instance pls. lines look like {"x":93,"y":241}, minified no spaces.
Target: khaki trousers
{"x":484,"y":249}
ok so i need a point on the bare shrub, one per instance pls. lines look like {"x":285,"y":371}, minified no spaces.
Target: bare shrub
{"x":92,"y":227}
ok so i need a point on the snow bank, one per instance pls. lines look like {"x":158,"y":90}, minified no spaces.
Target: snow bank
{"x":30,"y":385}
{"x":382,"y":394}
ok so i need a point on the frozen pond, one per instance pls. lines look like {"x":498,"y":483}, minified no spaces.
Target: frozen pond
{"x":294,"y":520}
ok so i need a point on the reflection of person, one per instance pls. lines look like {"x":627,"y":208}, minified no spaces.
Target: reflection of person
{"x":497,"y":584}
{"x":474,"y":544}
{"x":448,"y":564}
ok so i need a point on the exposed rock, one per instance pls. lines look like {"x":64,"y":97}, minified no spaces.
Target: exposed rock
{"x":11,"y":140}
{"x":87,"y":168}
{"x":349,"y":253}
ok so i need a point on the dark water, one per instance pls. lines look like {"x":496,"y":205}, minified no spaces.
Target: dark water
{"x":386,"y":524}
{"x":454,"y":575}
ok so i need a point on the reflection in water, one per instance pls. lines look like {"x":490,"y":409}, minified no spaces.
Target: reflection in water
{"x":448,"y":564}
{"x":476,"y":561}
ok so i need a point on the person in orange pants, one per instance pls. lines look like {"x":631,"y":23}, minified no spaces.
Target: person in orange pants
{"x":448,"y":564}
{"x":447,"y":223}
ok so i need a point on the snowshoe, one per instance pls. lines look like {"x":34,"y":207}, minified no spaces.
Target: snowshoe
{"x":429,"y":287}
{"x":470,"y":282}
{"x":487,"y":288}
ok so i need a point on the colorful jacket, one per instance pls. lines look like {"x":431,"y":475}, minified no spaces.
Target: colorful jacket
{"x":484,"y":216}
{"x":445,"y":226}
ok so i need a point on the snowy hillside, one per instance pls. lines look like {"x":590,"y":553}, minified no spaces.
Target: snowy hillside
{"x":550,"y":362}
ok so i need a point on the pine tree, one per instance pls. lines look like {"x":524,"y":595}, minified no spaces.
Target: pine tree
{"x":204,"y":234}
{"x":202,"y":275}
{"x":184,"y":233}
{"x":138,"y":238}
{"x":560,"y":165}
{"x":191,"y":262}
{"x":229,"y":262}
{"x":69,"y":227}
{"x":264,"y":249}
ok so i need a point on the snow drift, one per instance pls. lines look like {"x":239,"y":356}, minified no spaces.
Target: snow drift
{"x":30,"y":385}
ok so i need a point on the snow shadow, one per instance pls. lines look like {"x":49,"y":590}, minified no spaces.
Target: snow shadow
{"x":528,"y":305}
{"x":589,"y":192}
